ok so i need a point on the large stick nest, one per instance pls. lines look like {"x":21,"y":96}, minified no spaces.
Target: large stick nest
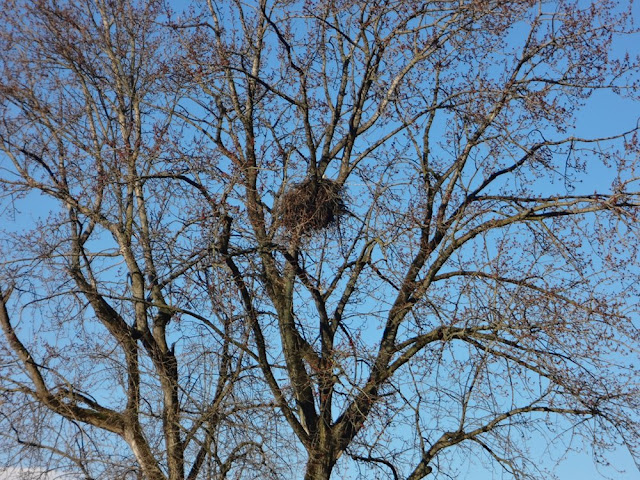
{"x":311,"y":205}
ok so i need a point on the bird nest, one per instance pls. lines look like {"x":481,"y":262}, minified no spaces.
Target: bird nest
{"x":311,"y":205}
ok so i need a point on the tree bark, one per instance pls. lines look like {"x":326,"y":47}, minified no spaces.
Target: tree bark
{"x":319,"y":467}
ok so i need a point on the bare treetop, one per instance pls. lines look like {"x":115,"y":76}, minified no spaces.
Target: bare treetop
{"x":315,"y":239}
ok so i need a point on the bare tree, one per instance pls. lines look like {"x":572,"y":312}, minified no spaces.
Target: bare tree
{"x":288,"y":237}
{"x":87,"y":106}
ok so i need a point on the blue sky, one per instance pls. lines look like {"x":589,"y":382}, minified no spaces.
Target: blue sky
{"x":604,"y":114}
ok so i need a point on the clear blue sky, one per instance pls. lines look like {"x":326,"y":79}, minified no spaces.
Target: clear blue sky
{"x":604,"y":114}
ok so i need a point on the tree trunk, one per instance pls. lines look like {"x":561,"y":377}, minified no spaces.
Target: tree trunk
{"x":319,"y":467}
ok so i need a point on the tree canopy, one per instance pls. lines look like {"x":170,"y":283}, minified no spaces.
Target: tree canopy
{"x":319,"y":239}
